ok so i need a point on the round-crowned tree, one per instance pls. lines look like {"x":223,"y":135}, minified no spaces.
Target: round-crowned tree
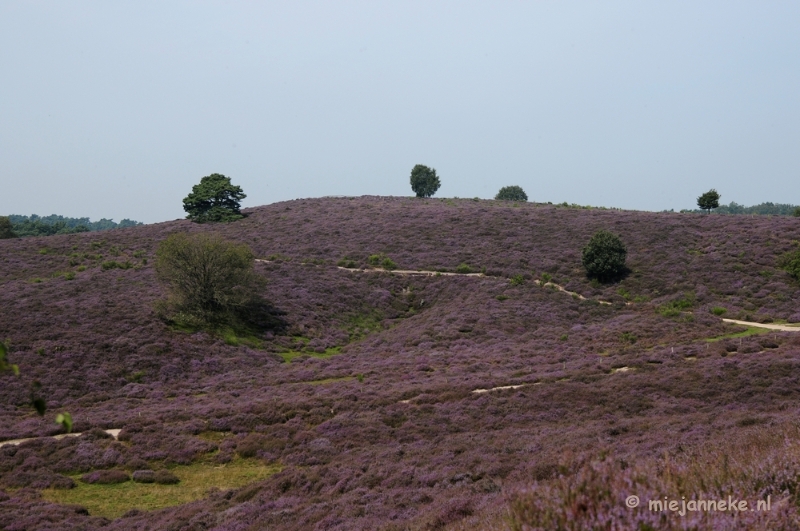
{"x":511,"y":193}
{"x":214,"y":199}
{"x":604,"y":256}
{"x":424,"y":181}
{"x":709,"y":200}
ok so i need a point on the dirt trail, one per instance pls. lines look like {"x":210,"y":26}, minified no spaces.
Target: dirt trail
{"x":780,"y":327}
{"x":113,"y":432}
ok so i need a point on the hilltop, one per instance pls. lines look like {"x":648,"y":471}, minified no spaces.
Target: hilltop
{"x":381,"y":400}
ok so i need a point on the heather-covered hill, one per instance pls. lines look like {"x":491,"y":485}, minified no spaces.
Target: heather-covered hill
{"x":363,"y":387}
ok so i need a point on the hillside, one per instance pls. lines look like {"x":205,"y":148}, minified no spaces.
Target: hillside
{"x":362,"y":392}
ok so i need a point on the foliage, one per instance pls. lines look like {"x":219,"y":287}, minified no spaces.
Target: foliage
{"x":762,"y":209}
{"x":675,"y":307}
{"x":517,"y":280}
{"x":214,"y":199}
{"x":511,"y":193}
{"x":790,"y":262}
{"x":424,"y":181}
{"x":65,"y":420}
{"x":709,"y":200}
{"x":4,"y":364}
{"x":209,"y":278}
{"x":463,"y":269}
{"x":604,"y":256}
{"x":6,"y":229}
{"x":34,"y":225}
{"x":718,"y":310}
{"x":381,"y":260}
{"x":796,"y":212}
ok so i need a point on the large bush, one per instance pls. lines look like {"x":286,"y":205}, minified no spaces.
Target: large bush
{"x":424,"y":181}
{"x":604,"y":256}
{"x":210,"y":279}
{"x":790,"y":262}
{"x":511,"y":193}
{"x":214,"y":199}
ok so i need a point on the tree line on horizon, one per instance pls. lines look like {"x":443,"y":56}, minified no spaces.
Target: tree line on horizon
{"x":17,"y":226}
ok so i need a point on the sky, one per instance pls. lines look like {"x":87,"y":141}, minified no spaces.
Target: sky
{"x":116,"y":109}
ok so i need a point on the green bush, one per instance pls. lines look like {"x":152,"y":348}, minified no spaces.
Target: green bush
{"x":604,"y":257}
{"x":718,"y":310}
{"x":511,"y":193}
{"x":517,"y":280}
{"x":381,"y":260}
{"x":348,"y":263}
{"x":790,"y":262}
{"x":464,"y":269}
{"x":209,"y":278}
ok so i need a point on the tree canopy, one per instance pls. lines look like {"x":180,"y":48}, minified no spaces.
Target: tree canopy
{"x":6,"y":229}
{"x":604,"y":256}
{"x":709,"y":200}
{"x":424,"y":181}
{"x":511,"y":193}
{"x":214,"y":199}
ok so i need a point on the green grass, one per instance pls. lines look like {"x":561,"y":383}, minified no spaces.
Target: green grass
{"x":751,"y":331}
{"x":112,"y":501}
{"x":292,"y":354}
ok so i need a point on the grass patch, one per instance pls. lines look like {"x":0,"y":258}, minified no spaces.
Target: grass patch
{"x":292,"y":354}
{"x":112,"y":501}
{"x":751,"y":331}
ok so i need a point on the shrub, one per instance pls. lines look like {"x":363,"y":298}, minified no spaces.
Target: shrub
{"x":214,"y":199}
{"x":424,"y":181}
{"x":105,"y":477}
{"x":381,"y":260}
{"x":209,"y":278}
{"x":796,"y":212}
{"x":144,"y":476}
{"x":790,"y":262}
{"x":511,"y":193}
{"x":165,"y":477}
{"x":463,"y":269}
{"x":718,"y":310}
{"x":517,"y":280}
{"x":347,"y":262}
{"x":604,"y":256}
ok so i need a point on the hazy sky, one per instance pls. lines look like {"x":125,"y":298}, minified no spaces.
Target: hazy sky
{"x":115,"y":109}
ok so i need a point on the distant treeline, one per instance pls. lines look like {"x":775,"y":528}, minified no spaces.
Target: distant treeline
{"x":34,"y":225}
{"x":765,"y":209}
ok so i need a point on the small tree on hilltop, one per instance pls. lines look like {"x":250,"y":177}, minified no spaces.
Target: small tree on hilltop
{"x":214,"y":199}
{"x":709,"y":200}
{"x":604,"y":256}
{"x":211,"y":280}
{"x":511,"y":193}
{"x":796,"y":212}
{"x":424,"y":181}
{"x":6,"y":228}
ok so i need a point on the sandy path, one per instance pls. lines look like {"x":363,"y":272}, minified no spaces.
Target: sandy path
{"x":114,"y":433}
{"x":780,"y":327}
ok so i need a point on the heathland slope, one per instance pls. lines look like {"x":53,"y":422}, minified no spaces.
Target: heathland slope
{"x":362,"y":390}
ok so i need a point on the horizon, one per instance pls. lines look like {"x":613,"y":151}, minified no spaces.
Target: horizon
{"x":119,"y":109}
